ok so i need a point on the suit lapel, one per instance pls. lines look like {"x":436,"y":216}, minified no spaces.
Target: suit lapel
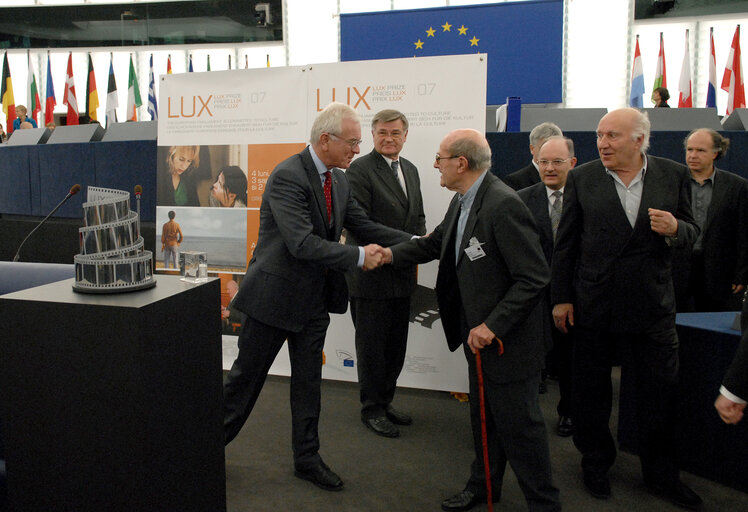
{"x":719,"y":190}
{"x":316,"y":184}
{"x":605,"y":191}
{"x":450,"y":226}
{"x":338,"y":201}
{"x":473,"y":215}
{"x":539,"y":202}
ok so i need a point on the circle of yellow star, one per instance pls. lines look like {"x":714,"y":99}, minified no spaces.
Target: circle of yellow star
{"x":474,"y":41}
{"x":463,"y":30}
{"x":419,"y":44}
{"x":430,"y":32}
{"x":447,"y":27}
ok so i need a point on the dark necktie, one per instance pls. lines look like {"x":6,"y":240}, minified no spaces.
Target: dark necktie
{"x":395,"y":165}
{"x":328,"y":195}
{"x":556,"y":211}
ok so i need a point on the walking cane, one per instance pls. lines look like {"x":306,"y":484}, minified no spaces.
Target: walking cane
{"x":484,"y":435}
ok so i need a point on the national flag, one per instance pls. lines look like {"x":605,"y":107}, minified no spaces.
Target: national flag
{"x":92,"y":95}
{"x":246,"y":61}
{"x":49,"y":97}
{"x":711,"y":90}
{"x":112,"y":100}
{"x":685,"y":100}
{"x":637,"y":79}
{"x":229,"y":61}
{"x":661,"y":71}
{"x":152,"y":104}
{"x":35,"y":104}
{"x":133,"y":94}
{"x":68,"y":97}
{"x":190,"y":63}
{"x":208,"y":62}
{"x":6,"y":92}
{"x":732,"y":80}
{"x":168,"y":65}
{"x":498,"y":30}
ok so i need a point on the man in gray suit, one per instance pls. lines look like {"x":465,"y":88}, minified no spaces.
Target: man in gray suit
{"x":492,"y":274}
{"x":612,"y":281}
{"x":388,"y":188}
{"x":295,"y":279}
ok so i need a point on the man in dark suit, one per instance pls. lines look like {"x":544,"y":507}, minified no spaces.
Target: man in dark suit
{"x":732,"y":396}
{"x":295,"y":279}
{"x":491,"y":278}
{"x":545,"y":201}
{"x":612,"y":282}
{"x":712,"y":275}
{"x":388,"y":188}
{"x":530,"y":175}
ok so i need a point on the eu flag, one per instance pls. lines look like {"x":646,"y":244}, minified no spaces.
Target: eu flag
{"x":523,"y":40}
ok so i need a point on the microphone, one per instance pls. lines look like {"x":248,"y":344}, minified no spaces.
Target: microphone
{"x":138,"y":192}
{"x":73,"y":190}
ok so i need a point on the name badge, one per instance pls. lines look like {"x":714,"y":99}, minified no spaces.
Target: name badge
{"x":474,"y":251}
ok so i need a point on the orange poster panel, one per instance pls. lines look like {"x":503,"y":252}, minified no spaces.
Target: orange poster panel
{"x":261,"y":160}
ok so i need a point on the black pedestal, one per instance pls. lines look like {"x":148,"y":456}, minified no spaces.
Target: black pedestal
{"x":113,"y":402}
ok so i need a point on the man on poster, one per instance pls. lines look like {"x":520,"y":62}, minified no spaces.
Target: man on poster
{"x":388,"y":188}
{"x":295,"y":279}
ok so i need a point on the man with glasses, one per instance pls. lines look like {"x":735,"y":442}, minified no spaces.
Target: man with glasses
{"x":612,"y":281}
{"x":387,"y":187}
{"x":545,"y":201}
{"x":296,"y":278}
{"x":530,"y":174}
{"x":492,"y":274}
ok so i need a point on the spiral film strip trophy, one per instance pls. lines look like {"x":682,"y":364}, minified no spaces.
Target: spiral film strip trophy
{"x":111,"y":258}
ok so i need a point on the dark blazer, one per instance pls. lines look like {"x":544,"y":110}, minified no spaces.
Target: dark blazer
{"x":502,"y":289}
{"x":724,"y":242}
{"x":736,"y":378}
{"x":376,"y":190}
{"x":619,"y":277}
{"x":297,"y":266}
{"x":525,"y":177}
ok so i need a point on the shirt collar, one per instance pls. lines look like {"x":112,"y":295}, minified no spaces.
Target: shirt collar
{"x":321,"y":168}
{"x":639,"y":176}
{"x":469,"y":196}
{"x":549,"y":191}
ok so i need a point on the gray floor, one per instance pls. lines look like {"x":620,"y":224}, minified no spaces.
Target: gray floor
{"x":427,"y":463}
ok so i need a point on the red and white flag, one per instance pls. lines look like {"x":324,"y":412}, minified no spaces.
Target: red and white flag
{"x":661,"y":71}
{"x":685,"y":100}
{"x":68,"y":97}
{"x":732,"y":80}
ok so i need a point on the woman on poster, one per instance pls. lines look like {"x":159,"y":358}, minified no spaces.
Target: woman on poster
{"x":230,"y":188}
{"x":176,"y":183}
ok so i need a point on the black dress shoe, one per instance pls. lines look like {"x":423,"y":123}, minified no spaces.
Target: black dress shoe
{"x":565,"y":426}
{"x":677,"y":493}
{"x":321,"y":476}
{"x":464,"y":500}
{"x":380,"y":425}
{"x":397,"y":417}
{"x":597,"y":485}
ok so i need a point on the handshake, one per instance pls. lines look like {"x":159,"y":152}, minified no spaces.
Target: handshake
{"x":376,"y":256}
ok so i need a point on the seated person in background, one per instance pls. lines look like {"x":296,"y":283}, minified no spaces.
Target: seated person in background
{"x":530,"y":175}
{"x":177,"y":186}
{"x":27,"y":126}
{"x":3,"y":135}
{"x":230,"y":188}
{"x":21,"y":113}
{"x":51,"y":125}
{"x":660,"y":97}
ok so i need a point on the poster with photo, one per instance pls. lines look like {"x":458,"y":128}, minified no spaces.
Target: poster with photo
{"x":253,"y":119}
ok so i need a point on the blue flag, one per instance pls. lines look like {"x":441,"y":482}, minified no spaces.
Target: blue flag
{"x":523,"y":41}
{"x":152,"y":104}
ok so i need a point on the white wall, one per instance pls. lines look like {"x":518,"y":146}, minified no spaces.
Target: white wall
{"x":599,"y":45}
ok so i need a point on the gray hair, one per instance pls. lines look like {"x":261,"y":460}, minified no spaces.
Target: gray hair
{"x":642,"y":128}
{"x":388,"y":115}
{"x":475,"y":150}
{"x":330,"y":120}
{"x":543,"y":131}
{"x":719,"y":143}
{"x":569,"y":143}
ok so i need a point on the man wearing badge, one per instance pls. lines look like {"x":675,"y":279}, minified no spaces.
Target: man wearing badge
{"x":491,"y":278}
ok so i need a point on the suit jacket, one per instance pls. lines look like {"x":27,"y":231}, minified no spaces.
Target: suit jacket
{"x":736,"y":378}
{"x":525,"y":177}
{"x":297,"y":266}
{"x":536,"y":199}
{"x":377,"y":191}
{"x":724,"y":242}
{"x":619,"y":277}
{"x":502,"y":288}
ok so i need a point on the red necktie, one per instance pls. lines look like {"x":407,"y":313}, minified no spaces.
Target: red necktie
{"x":328,"y":195}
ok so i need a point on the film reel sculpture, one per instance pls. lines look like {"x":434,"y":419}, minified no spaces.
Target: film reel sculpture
{"x":111,"y":258}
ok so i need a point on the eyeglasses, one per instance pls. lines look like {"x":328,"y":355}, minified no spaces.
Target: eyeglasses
{"x":439,"y":158}
{"x":555,"y":163}
{"x":352,"y":143}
